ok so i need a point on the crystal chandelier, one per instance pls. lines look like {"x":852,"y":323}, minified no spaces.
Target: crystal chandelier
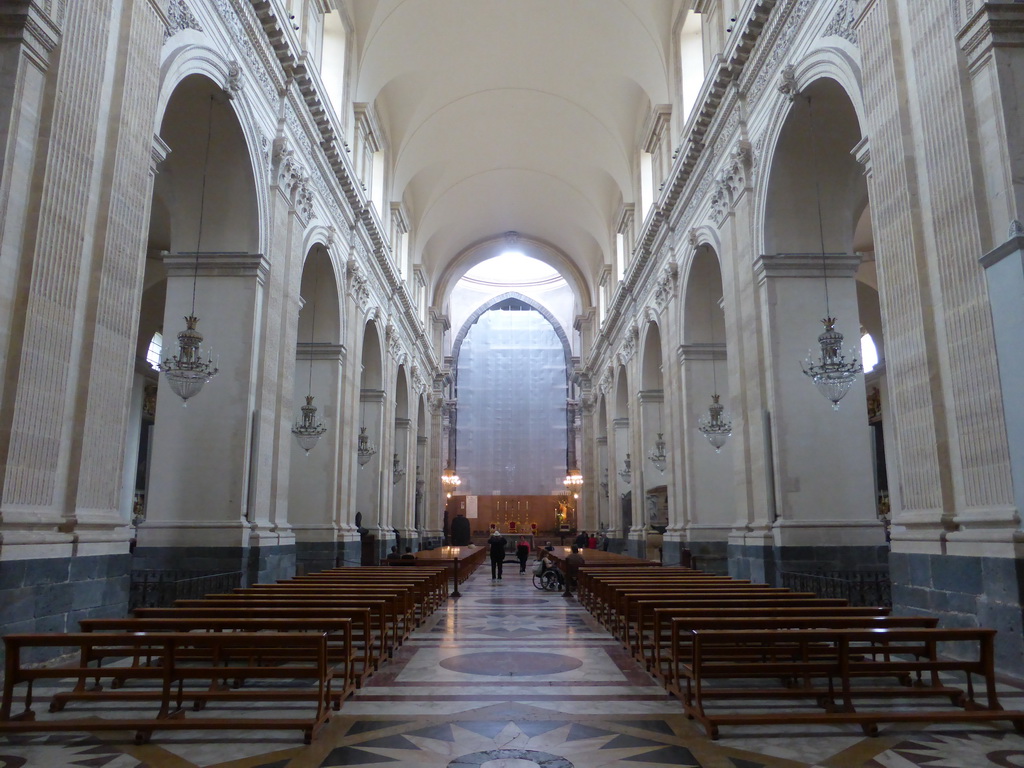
{"x":657,"y":455}
{"x":397,"y":472}
{"x":836,"y":368}
{"x":187,"y":372}
{"x":365,"y":450}
{"x":573,"y":479}
{"x":626,"y":473}
{"x":713,"y":426}
{"x":449,"y":479}
{"x":308,"y":429}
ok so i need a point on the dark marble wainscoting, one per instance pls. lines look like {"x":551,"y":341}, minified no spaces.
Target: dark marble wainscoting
{"x":52,"y":594}
{"x":966,"y":592}
{"x":765,"y":564}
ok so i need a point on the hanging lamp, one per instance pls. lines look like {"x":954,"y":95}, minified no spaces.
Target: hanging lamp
{"x":714,"y":425}
{"x":626,"y":473}
{"x":187,"y":372}
{"x":309,"y":429}
{"x":836,"y":367}
{"x":397,"y":471}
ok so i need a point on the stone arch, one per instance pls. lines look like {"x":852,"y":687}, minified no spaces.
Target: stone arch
{"x":510,"y":298}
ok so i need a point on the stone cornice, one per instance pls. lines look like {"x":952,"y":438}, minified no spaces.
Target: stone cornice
{"x":813,"y":265}
{"x":994,"y":25}
{"x":29,"y":23}
{"x":714,"y":96}
{"x":320,"y":351}
{"x":328,"y":135}
{"x":217,"y":265}
{"x":700,"y":352}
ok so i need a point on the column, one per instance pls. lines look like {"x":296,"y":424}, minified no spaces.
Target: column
{"x":402,"y":500}
{"x":199,"y":512}
{"x":314,"y":506}
{"x":822,"y":458}
{"x":710,"y":496}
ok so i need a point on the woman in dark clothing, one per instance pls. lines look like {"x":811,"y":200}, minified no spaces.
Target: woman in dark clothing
{"x":523,"y":553}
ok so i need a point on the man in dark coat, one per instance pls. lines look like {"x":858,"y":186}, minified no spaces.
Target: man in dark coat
{"x":497,"y":543}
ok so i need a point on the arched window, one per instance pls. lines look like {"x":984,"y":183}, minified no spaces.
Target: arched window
{"x":332,"y":60}
{"x":868,"y":352}
{"x":156,"y":346}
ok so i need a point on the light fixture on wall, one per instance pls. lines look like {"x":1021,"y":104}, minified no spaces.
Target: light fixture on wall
{"x":187,"y":372}
{"x":626,"y":473}
{"x":604,"y":483}
{"x":397,"y":471}
{"x":308,"y":429}
{"x":714,"y":425}
{"x":836,"y":367}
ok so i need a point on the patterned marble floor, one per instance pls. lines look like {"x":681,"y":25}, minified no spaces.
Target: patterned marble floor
{"x":511,"y":677}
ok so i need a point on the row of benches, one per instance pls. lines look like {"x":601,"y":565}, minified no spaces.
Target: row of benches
{"x":712,"y":640}
{"x":308,"y":639}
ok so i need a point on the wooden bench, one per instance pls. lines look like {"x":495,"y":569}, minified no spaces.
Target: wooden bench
{"x":852,"y":657}
{"x":174,"y":659}
{"x":386,"y":619}
{"x":341,"y":644}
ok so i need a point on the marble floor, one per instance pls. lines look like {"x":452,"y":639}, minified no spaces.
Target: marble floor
{"x":511,"y":677}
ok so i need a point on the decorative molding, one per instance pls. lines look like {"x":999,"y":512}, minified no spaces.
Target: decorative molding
{"x":787,"y":82}
{"x":357,"y":287}
{"x":687,"y":353}
{"x":841,"y":24}
{"x":666,"y":287}
{"x":180,"y":18}
{"x":233,"y":82}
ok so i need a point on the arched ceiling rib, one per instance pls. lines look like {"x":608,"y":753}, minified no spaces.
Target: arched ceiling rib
{"x":516,"y":115}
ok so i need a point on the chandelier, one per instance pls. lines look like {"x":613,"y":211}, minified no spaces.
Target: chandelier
{"x":449,"y":479}
{"x":187,"y":372}
{"x":365,"y":450}
{"x":397,"y":472}
{"x":836,"y":367}
{"x":714,"y":425}
{"x":308,"y":429}
{"x":626,"y":473}
{"x":573,"y":479}
{"x":657,"y":455}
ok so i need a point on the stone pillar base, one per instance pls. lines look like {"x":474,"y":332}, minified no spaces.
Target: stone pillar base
{"x":765,"y":564}
{"x":52,"y":594}
{"x":257,"y":564}
{"x":966,"y":592}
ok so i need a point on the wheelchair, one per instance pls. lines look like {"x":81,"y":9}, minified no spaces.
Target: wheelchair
{"x":549,"y":580}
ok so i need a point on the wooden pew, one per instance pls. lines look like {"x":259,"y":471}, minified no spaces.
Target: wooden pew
{"x":340,"y":627}
{"x":386,"y":611}
{"x":849,"y":656}
{"x":174,"y":659}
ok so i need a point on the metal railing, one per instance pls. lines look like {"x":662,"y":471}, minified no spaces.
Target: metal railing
{"x":856,"y":587}
{"x":159,"y":589}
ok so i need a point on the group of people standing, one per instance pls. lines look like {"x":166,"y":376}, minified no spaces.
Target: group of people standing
{"x":498,"y":545}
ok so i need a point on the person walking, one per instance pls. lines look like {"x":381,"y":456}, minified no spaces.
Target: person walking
{"x":497,"y":543}
{"x":523,"y":553}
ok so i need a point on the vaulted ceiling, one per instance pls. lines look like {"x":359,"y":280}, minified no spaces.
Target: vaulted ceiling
{"x":513,"y":115}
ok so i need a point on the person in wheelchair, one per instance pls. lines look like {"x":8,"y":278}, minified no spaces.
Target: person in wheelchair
{"x":546,"y":575}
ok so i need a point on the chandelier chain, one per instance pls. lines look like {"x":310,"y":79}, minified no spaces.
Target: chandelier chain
{"x":202,"y":201}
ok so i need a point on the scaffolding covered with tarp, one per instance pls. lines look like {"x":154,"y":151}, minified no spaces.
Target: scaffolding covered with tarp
{"x":511,"y":393}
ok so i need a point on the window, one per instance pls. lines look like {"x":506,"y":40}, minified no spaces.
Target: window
{"x":156,"y":346}
{"x":332,"y":60}
{"x":691,"y":61}
{"x":868,"y":352}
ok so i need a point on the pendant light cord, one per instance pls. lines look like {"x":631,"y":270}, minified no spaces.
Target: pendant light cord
{"x":202,"y":202}
{"x":711,"y":324}
{"x":817,"y":194}
{"x":312,"y":324}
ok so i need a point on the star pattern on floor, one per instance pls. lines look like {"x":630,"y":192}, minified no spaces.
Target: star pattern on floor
{"x":442,"y":744}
